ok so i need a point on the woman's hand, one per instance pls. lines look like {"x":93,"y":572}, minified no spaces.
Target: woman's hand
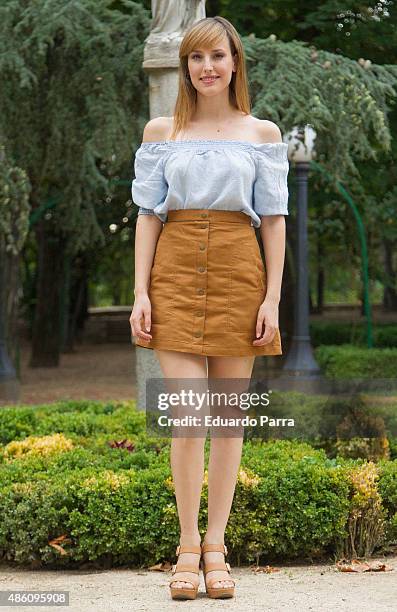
{"x":142,"y":309}
{"x":267,"y":315}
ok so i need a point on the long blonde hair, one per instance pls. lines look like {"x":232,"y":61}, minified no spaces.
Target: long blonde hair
{"x":206,"y":33}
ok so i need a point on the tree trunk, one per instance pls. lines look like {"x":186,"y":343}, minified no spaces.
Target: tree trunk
{"x":312,"y":307}
{"x":9,"y":304}
{"x":389,"y":293}
{"x":83,"y":313}
{"x":320,"y":290}
{"x":65,"y":345}
{"x":29,"y":284}
{"x":46,"y":335}
{"x":78,"y":309}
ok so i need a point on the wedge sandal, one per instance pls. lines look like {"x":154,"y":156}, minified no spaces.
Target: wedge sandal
{"x":185,"y":592}
{"x":216,"y":592}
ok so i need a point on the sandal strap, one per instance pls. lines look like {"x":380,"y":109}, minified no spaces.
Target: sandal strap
{"x":214,"y":548}
{"x":213,"y":567}
{"x":185,"y":568}
{"x":181,"y":548}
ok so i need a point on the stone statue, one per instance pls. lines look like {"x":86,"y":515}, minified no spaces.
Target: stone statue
{"x":175,"y":15}
{"x":170,"y":20}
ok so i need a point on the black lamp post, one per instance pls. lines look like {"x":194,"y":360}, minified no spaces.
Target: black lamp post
{"x":300,"y":367}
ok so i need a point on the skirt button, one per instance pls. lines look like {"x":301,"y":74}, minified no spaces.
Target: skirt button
{"x":201,"y":269}
{"x":200,"y":291}
{"x":204,"y":215}
{"x":197,"y":334}
{"x":202,"y":247}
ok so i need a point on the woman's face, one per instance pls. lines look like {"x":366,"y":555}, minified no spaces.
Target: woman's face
{"x":216,"y":62}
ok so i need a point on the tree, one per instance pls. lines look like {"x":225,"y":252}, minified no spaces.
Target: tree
{"x":72,"y":106}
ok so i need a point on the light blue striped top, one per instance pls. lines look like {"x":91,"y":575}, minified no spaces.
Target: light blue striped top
{"x":213,"y":174}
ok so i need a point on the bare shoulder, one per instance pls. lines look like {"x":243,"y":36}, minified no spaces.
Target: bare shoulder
{"x":157,"y":129}
{"x":268,"y":131}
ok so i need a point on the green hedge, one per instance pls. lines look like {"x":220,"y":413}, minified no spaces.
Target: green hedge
{"x":62,"y":483}
{"x":336,"y":333}
{"x":347,"y":361}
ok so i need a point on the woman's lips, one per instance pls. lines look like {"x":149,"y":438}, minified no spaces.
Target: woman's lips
{"x":209,"y":80}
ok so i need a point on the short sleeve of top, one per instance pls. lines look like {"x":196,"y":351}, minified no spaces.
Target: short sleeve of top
{"x":149,"y":187}
{"x":270,"y":189}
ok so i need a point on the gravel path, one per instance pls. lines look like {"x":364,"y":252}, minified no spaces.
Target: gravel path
{"x":296,"y":587}
{"x":93,"y":371}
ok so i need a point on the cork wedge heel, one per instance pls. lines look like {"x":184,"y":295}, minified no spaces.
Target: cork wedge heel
{"x":216,"y":592}
{"x":185,"y":592}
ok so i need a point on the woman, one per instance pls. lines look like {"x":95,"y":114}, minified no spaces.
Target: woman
{"x":203,"y":299}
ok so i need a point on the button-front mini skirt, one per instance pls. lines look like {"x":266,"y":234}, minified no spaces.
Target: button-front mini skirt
{"x":207,"y":283}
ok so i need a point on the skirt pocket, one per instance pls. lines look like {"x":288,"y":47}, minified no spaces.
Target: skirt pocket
{"x":162,"y":279}
{"x":164,"y":258}
{"x":161,"y":295}
{"x":247,"y":287}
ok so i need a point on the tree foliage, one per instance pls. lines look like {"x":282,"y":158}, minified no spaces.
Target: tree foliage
{"x":346,"y":102}
{"x":72,"y":102}
{"x":14,"y":206}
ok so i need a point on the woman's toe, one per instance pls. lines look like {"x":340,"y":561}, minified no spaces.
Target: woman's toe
{"x":182,"y":584}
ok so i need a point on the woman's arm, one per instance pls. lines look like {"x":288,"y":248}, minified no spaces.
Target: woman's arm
{"x":272,"y":232}
{"x":273,"y":238}
{"x":147,"y":232}
{"x":148,"y":229}
{"x":273,"y":235}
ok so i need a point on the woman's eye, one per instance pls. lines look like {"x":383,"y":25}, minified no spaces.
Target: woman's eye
{"x":198,"y":56}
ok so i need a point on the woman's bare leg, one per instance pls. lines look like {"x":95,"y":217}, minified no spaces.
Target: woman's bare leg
{"x":223,"y":466}
{"x":187,"y":461}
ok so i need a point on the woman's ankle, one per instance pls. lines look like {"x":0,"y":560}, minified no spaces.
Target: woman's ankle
{"x":214,"y":537}
{"x":190,"y":539}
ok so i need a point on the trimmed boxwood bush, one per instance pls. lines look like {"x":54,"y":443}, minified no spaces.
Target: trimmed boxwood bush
{"x":388,"y":492}
{"x":66,"y":498}
{"x":335,"y":333}
{"x":347,"y":361}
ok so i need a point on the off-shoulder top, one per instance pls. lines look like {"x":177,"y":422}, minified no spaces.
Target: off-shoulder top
{"x":212,"y":174}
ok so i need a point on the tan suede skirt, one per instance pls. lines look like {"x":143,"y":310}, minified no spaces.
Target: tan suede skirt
{"x":207,"y":283}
